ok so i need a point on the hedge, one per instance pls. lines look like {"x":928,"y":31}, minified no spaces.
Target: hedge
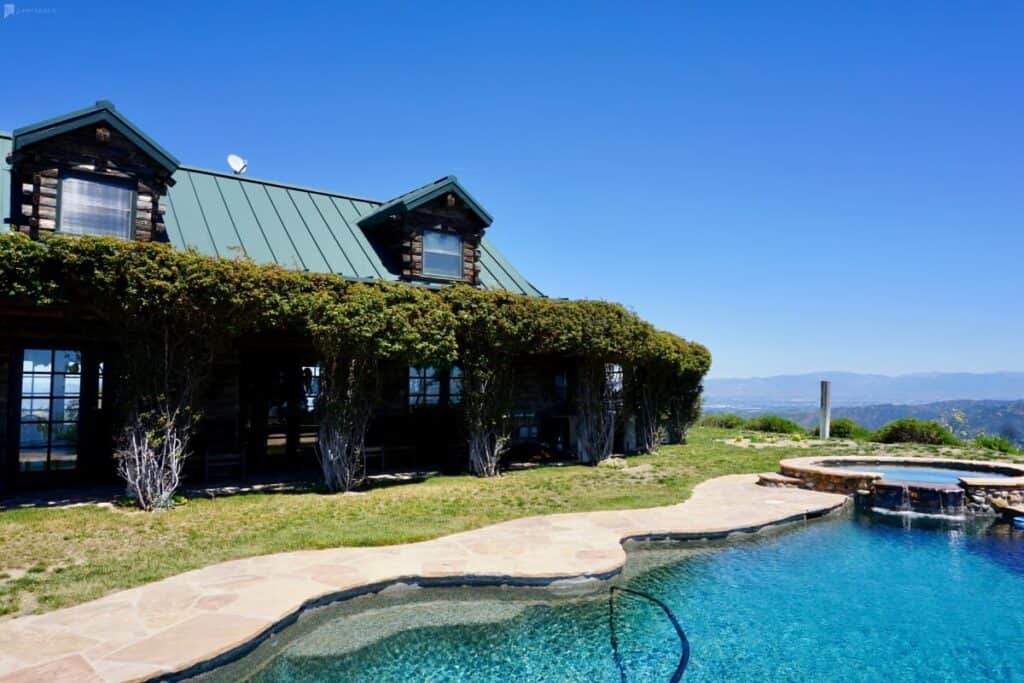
{"x":910,"y":430}
{"x":723,"y":421}
{"x":844,"y":428}
{"x":774,"y":424}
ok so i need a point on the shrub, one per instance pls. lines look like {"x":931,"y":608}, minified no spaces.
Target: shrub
{"x":996,"y":443}
{"x":911,"y":430}
{"x":723,"y":421}
{"x":775,"y":425}
{"x":845,"y":428}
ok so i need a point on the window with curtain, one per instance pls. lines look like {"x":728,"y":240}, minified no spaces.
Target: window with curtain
{"x":442,"y":254}
{"x":89,"y":206}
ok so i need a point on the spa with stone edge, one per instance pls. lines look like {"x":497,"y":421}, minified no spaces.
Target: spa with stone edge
{"x":936,"y":486}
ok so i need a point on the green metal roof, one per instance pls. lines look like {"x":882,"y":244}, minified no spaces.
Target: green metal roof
{"x":103,"y":111}
{"x":295,"y":227}
{"x":411,"y":200}
{"x":270,"y":222}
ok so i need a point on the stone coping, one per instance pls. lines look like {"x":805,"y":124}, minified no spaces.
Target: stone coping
{"x":815,"y":466}
{"x":194,"y":621}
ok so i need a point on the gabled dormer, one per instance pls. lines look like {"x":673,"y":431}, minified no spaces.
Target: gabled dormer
{"x":432,"y":233}
{"x":89,"y":172}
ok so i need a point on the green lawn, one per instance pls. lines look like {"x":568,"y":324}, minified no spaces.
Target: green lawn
{"x":55,"y":558}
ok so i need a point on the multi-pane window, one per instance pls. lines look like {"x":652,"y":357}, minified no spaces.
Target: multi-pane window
{"x":616,"y":384}
{"x":51,"y":390}
{"x":524,"y":426}
{"x":455,"y":385}
{"x":424,"y":386}
{"x":442,"y":254}
{"x":94,"y":207}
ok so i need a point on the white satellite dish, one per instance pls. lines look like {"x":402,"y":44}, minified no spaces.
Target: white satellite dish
{"x":237,"y":164}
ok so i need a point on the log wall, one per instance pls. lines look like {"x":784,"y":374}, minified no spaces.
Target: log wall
{"x":439,"y":215}
{"x":98,"y":150}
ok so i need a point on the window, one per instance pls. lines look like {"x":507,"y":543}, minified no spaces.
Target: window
{"x":524,"y":426}
{"x":424,"y":386}
{"x":615,"y":384}
{"x":310,"y":387}
{"x":561,"y":385}
{"x":455,"y":385}
{"x":95,"y":207}
{"x":613,"y":373}
{"x":442,"y":254}
{"x":99,"y":387}
{"x":51,"y":388}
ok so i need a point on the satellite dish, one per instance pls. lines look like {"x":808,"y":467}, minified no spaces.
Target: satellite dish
{"x":237,"y":164}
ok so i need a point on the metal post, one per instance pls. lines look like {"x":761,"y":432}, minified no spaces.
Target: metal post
{"x":826,"y":409}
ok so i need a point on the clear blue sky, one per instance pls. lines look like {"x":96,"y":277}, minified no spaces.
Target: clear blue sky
{"x":800,"y":187}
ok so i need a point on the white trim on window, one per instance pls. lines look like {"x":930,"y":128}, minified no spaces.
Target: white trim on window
{"x":442,"y":254}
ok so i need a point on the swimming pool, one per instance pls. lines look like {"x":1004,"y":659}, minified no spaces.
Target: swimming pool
{"x":855,"y":598}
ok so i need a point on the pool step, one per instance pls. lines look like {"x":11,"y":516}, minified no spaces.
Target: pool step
{"x":776,"y":479}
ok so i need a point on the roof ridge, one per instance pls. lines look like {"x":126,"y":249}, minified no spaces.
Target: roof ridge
{"x":278,"y":183}
{"x":444,"y":179}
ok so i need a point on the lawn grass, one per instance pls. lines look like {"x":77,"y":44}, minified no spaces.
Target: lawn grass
{"x":51,"y":558}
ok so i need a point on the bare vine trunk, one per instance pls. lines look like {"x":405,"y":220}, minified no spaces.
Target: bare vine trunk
{"x":346,"y":407}
{"x":151,"y":456}
{"x":161,"y":372}
{"x":595,"y":413}
{"x":648,"y":417}
{"x":486,"y":397}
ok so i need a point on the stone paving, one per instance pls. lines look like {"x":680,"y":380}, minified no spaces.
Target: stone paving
{"x":181,"y":622}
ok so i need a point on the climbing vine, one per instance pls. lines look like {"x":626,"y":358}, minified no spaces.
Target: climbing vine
{"x":171,"y":312}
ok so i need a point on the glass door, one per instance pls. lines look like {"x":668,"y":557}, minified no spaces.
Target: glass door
{"x":51,"y":393}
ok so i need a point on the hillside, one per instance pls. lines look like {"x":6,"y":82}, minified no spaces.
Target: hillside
{"x":853,"y":389}
{"x":966,"y":419}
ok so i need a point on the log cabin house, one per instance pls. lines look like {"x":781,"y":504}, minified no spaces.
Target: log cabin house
{"x":93,"y":172}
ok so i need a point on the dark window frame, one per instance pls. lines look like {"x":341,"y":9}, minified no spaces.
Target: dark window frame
{"x":93,"y":177}
{"x":50,"y":397}
{"x":443,"y":388}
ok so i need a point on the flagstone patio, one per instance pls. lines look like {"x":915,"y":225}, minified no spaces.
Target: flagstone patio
{"x":182,"y":622}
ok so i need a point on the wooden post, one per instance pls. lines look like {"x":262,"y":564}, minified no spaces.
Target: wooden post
{"x":826,"y":409}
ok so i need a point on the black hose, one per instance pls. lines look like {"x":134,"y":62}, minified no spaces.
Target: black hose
{"x":684,"y":644}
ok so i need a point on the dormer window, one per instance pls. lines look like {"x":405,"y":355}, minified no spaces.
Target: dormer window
{"x":91,"y":206}
{"x":442,"y":254}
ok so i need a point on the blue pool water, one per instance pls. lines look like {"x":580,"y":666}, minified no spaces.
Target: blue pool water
{"x":928,"y":475}
{"x":849,"y":599}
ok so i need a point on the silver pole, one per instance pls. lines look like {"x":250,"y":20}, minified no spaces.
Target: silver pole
{"x":826,"y":409}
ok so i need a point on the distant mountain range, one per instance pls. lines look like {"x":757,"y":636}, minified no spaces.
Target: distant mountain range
{"x":852,"y":389}
{"x":969,"y":404}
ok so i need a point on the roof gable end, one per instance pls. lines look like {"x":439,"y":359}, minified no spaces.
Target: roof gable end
{"x":410,"y":201}
{"x":102,"y":112}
